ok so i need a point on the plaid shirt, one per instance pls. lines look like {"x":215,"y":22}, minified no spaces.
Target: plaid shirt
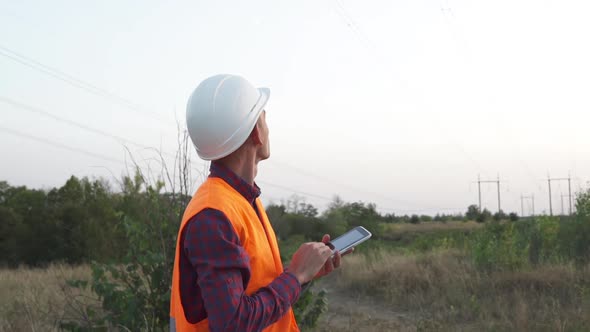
{"x":215,"y":270}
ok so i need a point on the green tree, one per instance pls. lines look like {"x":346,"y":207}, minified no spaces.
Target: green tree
{"x":9,"y":244}
{"x":472,"y":212}
{"x":500,"y":215}
{"x":71,"y":217}
{"x":513,"y":216}
{"x":574,"y":235}
{"x":355,"y":214}
{"x":583,"y":204}
{"x":36,"y":228}
{"x":425,"y":218}
{"x":276,"y":215}
{"x":135,"y":292}
{"x":390,"y":218}
{"x":484,"y":216}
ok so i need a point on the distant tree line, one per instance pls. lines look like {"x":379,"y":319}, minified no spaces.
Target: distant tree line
{"x":296,"y":217}
{"x":474,"y":213}
{"x":75,"y":223}
{"x":83,"y":220}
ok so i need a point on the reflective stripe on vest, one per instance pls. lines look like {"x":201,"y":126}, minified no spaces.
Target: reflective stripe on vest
{"x":256,"y":236}
{"x":172,"y":324}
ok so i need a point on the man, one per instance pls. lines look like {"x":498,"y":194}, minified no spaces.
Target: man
{"x":228,"y":274}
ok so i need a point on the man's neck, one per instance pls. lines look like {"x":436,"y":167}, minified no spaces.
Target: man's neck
{"x":245,"y":168}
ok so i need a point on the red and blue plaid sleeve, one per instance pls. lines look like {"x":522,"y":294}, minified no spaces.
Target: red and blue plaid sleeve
{"x":222,"y":274}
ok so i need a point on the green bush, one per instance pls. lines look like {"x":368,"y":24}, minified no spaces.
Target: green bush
{"x":583,"y":205}
{"x":538,"y":237}
{"x":309,"y":308}
{"x":484,"y":216}
{"x":135,"y":292}
{"x":472,"y":212}
{"x":425,"y":218}
{"x":535,"y":241}
{"x":496,"y":247}
{"x":574,"y":234}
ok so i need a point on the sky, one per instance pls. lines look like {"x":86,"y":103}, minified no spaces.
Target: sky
{"x":399,"y":103}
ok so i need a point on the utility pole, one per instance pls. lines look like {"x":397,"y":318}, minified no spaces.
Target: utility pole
{"x":562,"y":196}
{"x":532,"y":198}
{"x":499,"y":209}
{"x":550,"y":205}
{"x":569,"y":188}
{"x":569,"y":185}
{"x":479,"y":190}
{"x":497,"y":182}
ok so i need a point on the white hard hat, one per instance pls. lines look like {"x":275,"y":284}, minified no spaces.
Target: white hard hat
{"x":221,"y":114}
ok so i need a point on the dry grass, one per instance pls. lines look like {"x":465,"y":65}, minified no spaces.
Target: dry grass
{"x":443,"y":291}
{"x":431,"y":227}
{"x":37,"y":299}
{"x":387,"y":291}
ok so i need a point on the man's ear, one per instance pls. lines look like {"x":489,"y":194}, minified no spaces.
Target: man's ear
{"x":255,"y":135}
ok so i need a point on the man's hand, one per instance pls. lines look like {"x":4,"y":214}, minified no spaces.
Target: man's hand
{"x":308,"y":260}
{"x":334,"y":263}
{"x":331,"y":263}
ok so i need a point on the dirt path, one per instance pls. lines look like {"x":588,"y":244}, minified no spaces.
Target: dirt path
{"x":347,"y":312}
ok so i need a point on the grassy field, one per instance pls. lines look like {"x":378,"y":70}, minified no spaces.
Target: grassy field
{"x":432,"y":287}
{"x":38,"y":299}
{"x":443,"y":291}
{"x":393,"y":230}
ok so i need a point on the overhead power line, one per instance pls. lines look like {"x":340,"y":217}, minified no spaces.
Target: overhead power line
{"x":74,"y":149}
{"x":87,"y":128}
{"x":84,"y":127}
{"x":353,"y":188}
{"x":120,"y":139}
{"x":110,"y":159}
{"x":59,"y":145}
{"x":294,"y":191}
{"x":356,"y":28}
{"x":76,"y":82}
{"x":307,"y":194}
{"x":91,"y":88}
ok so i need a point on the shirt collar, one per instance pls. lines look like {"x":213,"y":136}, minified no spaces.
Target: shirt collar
{"x":250,"y":192}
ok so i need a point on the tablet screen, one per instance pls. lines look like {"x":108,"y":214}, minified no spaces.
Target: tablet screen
{"x":346,"y":239}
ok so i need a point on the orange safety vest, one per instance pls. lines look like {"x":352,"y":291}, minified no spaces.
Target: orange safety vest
{"x":257,"y":238}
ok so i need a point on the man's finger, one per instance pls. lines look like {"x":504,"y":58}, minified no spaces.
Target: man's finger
{"x":329,"y":266}
{"x":349,"y":251}
{"x":326,"y":238}
{"x":336,"y":260}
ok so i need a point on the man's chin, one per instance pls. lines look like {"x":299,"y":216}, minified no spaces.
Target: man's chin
{"x":262,"y":157}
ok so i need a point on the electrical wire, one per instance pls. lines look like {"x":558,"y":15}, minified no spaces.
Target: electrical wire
{"x":60,"y":145}
{"x":78,"y":125}
{"x":76,"y":82}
